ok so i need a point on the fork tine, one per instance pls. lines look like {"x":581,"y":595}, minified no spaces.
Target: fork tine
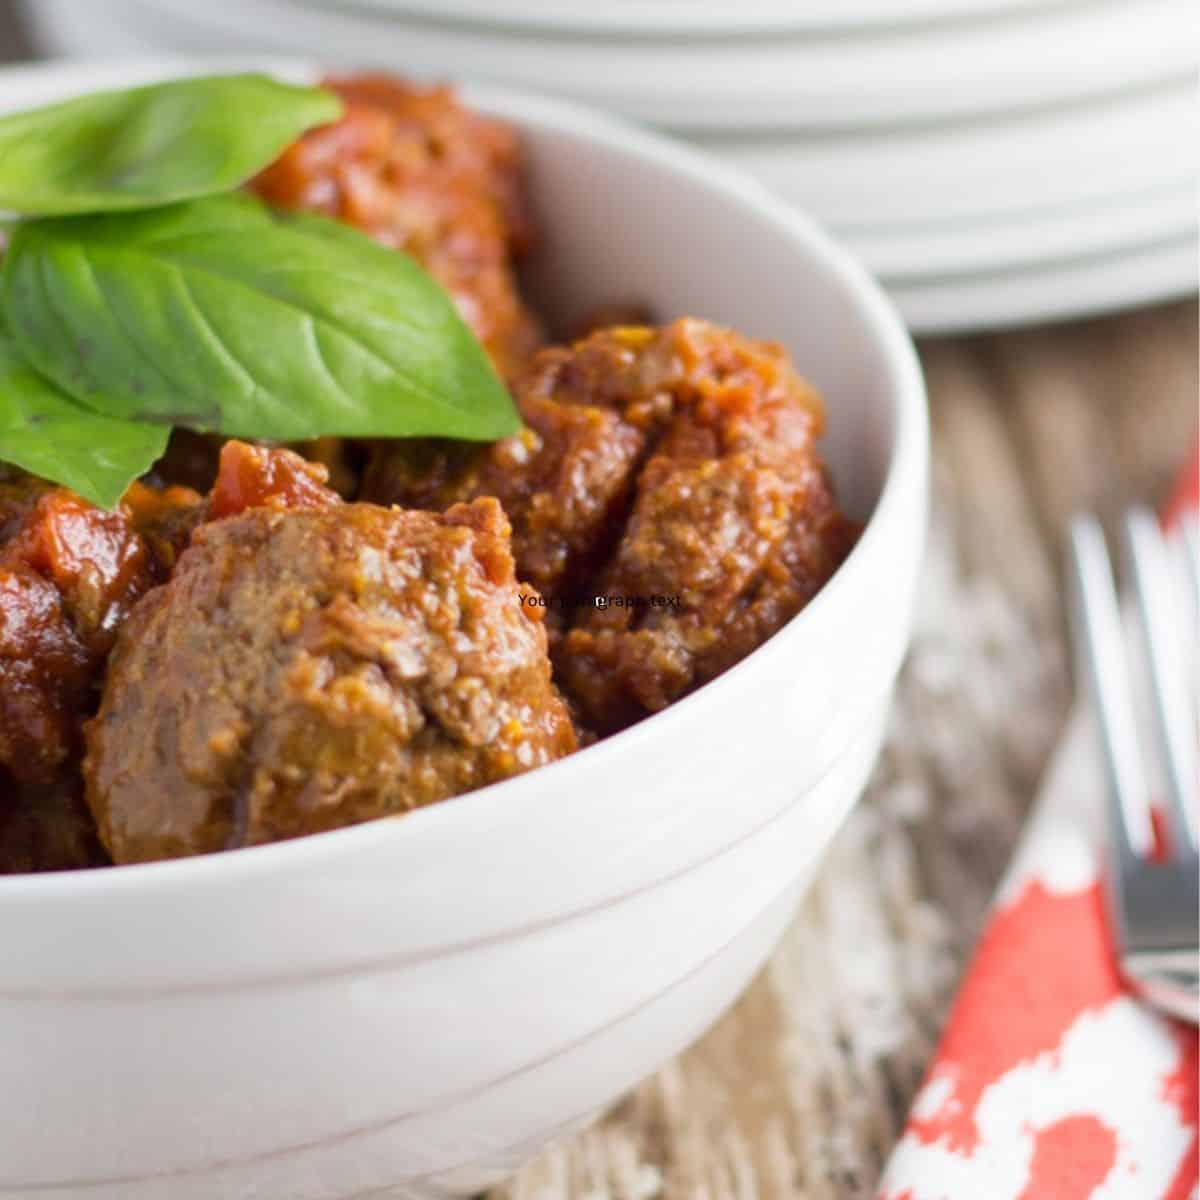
{"x":1097,"y":625}
{"x":1162,"y":626}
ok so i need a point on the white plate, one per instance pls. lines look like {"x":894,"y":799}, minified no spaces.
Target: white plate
{"x":938,"y":73}
{"x":908,"y":253}
{"x":684,"y":18}
{"x":1023,"y":165}
{"x":1089,"y":287}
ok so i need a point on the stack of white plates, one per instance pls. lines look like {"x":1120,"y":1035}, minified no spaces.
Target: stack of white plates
{"x":995,"y":162}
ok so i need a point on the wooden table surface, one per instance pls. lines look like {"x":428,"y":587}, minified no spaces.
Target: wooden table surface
{"x":801,"y":1089}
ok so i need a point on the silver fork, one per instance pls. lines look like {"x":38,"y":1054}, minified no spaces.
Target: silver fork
{"x":1153,"y":900}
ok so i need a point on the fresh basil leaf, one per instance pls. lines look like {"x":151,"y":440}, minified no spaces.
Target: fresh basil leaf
{"x":50,"y":435}
{"x":220,"y":315}
{"x":152,"y":145}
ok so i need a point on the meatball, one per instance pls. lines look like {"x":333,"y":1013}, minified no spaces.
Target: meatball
{"x":417,"y":171}
{"x":45,"y":677}
{"x":69,"y":574}
{"x":673,"y":469}
{"x":306,"y":669}
{"x":717,"y":556}
{"x":733,"y":527}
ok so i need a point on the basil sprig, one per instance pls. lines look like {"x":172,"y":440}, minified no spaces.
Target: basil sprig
{"x":152,"y":145}
{"x":214,"y":314}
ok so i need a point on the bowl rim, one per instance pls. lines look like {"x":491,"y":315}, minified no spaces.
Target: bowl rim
{"x":906,"y":471}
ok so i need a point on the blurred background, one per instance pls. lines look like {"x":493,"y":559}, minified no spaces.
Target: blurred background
{"x":994,"y":162}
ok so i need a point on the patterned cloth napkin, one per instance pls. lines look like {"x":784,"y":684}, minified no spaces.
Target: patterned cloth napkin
{"x":1051,"y":1082}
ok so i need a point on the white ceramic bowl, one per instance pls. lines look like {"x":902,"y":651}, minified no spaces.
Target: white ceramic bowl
{"x":411,"y":1007}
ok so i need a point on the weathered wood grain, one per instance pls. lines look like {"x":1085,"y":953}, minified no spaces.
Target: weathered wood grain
{"x":801,"y":1089}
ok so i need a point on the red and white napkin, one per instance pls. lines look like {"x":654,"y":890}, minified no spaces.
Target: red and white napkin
{"x":1051,"y":1082}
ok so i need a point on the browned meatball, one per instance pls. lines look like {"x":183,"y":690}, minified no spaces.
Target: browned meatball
{"x":416,"y":170}
{"x":69,"y":574}
{"x":45,"y":677}
{"x":312,"y":668}
{"x":733,"y":527}
{"x":718,"y":555}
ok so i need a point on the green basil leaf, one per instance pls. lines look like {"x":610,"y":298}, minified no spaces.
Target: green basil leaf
{"x":50,"y":435}
{"x":152,"y":145}
{"x":220,"y":315}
